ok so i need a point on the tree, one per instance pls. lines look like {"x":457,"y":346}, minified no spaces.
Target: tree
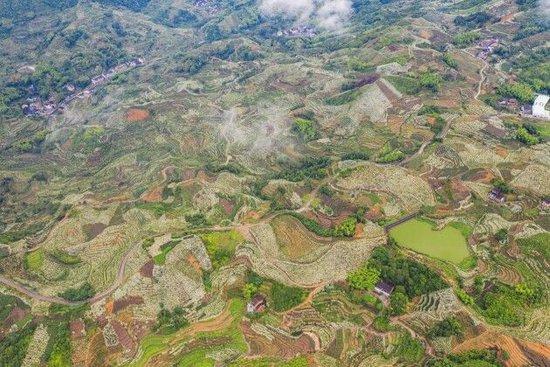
{"x":364,"y":278}
{"x":398,"y":303}
{"x":249,"y":290}
{"x":346,"y":228}
{"x":431,"y":81}
{"x":450,"y":326}
{"x":502,"y":235}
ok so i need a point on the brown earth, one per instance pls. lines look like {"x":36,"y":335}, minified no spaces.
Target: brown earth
{"x":153,"y":195}
{"x":137,"y":114}
{"x":514,"y":347}
{"x":501,"y":151}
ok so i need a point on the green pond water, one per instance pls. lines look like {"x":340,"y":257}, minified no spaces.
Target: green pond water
{"x":446,"y":244}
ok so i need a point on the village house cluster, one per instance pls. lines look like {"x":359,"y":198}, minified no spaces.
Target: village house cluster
{"x":299,"y":31}
{"x":487,"y":47}
{"x":36,"y":106}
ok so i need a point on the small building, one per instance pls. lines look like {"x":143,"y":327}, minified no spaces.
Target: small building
{"x":539,"y":107}
{"x":545,"y":205}
{"x":497,"y":196}
{"x":383,"y":288}
{"x":258,"y":303}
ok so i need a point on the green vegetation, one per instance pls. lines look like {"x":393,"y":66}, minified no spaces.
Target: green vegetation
{"x":527,"y":136}
{"x":398,"y":303}
{"x":84,"y":292}
{"x":305,"y":129}
{"x":536,"y":245}
{"x":58,"y":351}
{"x":408,"y":349}
{"x":415,"y":278}
{"x":64,"y":257}
{"x":34,"y":260}
{"x":364,"y":278}
{"x":472,"y":358}
{"x":446,"y":244}
{"x":448,"y":59}
{"x":430,"y":80}
{"x":520,"y":91}
{"x":284,"y":297}
{"x":313,"y":167}
{"x":346,"y":228}
{"x":170,"y":321}
{"x":465,"y":39}
{"x":13,"y":347}
{"x":221,"y":246}
{"x":160,"y":259}
{"x":450,"y":326}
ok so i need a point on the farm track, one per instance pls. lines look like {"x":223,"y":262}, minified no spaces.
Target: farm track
{"x":60,"y":301}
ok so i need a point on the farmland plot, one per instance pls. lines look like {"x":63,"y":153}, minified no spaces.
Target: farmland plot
{"x":333,"y":264}
{"x":410,"y":190}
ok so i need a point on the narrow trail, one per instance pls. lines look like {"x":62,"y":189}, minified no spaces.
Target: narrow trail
{"x":10,"y":283}
{"x":481,"y":79}
{"x":420,"y":151}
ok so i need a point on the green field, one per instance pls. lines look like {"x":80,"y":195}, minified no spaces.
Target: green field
{"x":447,"y":244}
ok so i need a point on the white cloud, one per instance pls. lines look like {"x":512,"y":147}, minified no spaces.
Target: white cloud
{"x":329,"y":14}
{"x":544,"y":6}
{"x":333,"y":14}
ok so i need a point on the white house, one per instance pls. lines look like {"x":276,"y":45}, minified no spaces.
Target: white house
{"x":539,"y":107}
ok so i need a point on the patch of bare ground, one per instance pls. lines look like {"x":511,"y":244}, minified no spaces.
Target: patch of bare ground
{"x":516,"y":349}
{"x":137,"y":114}
{"x":266,"y":341}
{"x":153,"y":195}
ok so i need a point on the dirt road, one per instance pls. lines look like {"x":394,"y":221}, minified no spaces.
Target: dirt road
{"x":60,"y":301}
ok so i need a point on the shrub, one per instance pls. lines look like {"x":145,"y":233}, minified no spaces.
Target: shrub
{"x":398,"y":303}
{"x":364,"y":278}
{"x":284,"y":297}
{"x":84,"y":292}
{"x":430,"y":80}
{"x":449,"y":326}
{"x":415,"y":277}
{"x":346,"y":228}
{"x":521,"y":91}
{"x":305,"y":129}
{"x":449,"y":60}
{"x":465,"y":39}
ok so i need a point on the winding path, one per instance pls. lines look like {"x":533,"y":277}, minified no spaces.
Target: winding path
{"x":60,"y":301}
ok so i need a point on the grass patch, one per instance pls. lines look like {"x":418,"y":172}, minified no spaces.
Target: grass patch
{"x":64,"y":257}
{"x":221,"y":246}
{"x":447,"y":244}
{"x":160,"y":259}
{"x":34,"y":260}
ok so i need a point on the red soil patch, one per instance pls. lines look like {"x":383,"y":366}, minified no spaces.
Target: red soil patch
{"x":460,"y":191}
{"x":153,"y":195}
{"x":146,"y":270}
{"x":137,"y":114}
{"x":501,"y":151}
{"x":484,"y":176}
{"x":394,"y":123}
{"x":121,"y":304}
{"x":78,"y":329}
{"x":424,"y":33}
{"x":16,"y":314}
{"x":514,"y":347}
{"x":227,"y":205}
{"x":192,"y":260}
{"x":123,"y":336}
{"x":359,"y":230}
